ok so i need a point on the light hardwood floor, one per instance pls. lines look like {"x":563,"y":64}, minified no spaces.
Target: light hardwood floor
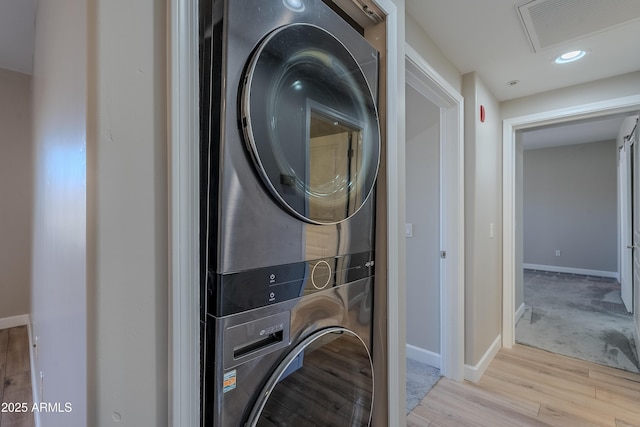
{"x":15,"y":377}
{"x":530,"y":387}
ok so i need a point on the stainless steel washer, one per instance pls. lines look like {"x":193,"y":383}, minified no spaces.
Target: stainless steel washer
{"x":290,"y":148}
{"x":303,"y":362}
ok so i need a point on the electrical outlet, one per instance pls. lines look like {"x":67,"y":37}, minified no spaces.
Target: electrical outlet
{"x":557,"y":252}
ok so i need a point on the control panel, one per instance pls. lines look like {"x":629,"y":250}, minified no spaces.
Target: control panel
{"x":236,"y":292}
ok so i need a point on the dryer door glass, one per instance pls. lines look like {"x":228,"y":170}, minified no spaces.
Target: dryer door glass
{"x":310,"y":123}
{"x":326,"y":381}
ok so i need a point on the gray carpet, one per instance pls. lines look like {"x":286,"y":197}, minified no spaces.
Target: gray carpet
{"x":578,"y":316}
{"x":420,"y":379}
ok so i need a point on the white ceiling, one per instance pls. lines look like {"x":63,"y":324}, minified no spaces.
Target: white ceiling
{"x":577,"y":132}
{"x":488,"y":37}
{"x":17,"y":24}
{"x":485,"y":36}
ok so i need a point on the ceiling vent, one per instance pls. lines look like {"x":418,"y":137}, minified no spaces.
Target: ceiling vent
{"x":549,"y":23}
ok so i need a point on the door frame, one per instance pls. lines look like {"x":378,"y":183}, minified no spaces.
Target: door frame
{"x":509,"y":128}
{"x":422,"y":77}
{"x":184,"y":187}
{"x":625,"y":225}
{"x":183,"y":268}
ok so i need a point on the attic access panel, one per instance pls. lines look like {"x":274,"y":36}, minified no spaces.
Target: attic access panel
{"x":548,"y":23}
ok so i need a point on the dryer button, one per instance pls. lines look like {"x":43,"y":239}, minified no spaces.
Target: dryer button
{"x":321,"y":275}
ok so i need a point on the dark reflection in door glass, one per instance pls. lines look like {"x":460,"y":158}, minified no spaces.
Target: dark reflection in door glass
{"x":329,"y":383}
{"x":311,"y":124}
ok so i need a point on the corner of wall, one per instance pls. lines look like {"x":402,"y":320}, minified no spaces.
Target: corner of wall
{"x":483,"y":218}
{"x":475,"y":372}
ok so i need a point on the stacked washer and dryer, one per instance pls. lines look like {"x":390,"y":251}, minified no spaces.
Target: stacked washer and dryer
{"x":290,"y":151}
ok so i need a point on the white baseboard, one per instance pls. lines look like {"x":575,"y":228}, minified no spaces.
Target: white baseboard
{"x":556,"y":269}
{"x":13,"y":321}
{"x":424,"y":356}
{"x":519,"y":313}
{"x":474,"y":373}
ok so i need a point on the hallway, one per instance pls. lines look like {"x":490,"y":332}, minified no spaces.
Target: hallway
{"x":524,"y":386}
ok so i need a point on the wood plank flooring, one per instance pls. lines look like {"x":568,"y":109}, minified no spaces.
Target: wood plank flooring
{"x":530,"y":387}
{"x":15,"y":377}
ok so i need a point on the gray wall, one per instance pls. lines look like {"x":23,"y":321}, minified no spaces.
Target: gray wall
{"x":16,"y":193}
{"x":570,"y":204}
{"x":423,"y":211}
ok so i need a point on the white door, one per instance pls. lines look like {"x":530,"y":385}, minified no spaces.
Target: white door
{"x":625,"y":163}
{"x":635,"y":200}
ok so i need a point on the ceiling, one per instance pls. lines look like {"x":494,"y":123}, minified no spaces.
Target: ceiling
{"x":485,"y":36}
{"x":577,"y":132}
{"x":489,"y":37}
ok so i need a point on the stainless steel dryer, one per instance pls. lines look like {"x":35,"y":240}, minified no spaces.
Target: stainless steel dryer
{"x":289,"y":156}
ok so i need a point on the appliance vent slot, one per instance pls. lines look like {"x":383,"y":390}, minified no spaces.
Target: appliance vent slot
{"x":548,"y":23}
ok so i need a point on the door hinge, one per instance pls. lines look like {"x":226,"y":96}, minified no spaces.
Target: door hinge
{"x":443,"y":254}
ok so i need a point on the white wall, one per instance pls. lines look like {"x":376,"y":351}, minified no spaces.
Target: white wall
{"x":128,"y":201}
{"x":99,"y":297}
{"x":58,"y":298}
{"x":423,"y":212}
{"x":483,"y":219}
{"x":418,"y":39}
{"x":16,"y":193}
{"x":570,"y":204}
{"x":600,"y":90}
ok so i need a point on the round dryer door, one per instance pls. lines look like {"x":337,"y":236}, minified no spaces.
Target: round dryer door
{"x":310,"y":123}
{"x":327,"y":380}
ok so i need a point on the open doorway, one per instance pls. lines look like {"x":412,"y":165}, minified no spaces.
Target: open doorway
{"x":512,"y":262}
{"x":571,"y":290}
{"x":422,"y":245}
{"x":435,"y":219}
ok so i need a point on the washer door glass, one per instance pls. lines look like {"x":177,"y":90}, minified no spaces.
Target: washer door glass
{"x":310,"y":123}
{"x":327,"y":380}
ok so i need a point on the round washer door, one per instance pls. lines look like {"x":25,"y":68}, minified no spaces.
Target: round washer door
{"x":310,"y":123}
{"x":327,"y":380}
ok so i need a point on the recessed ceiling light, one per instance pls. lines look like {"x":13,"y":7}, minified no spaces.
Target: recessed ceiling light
{"x":513,"y":82}
{"x":574,"y":55}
